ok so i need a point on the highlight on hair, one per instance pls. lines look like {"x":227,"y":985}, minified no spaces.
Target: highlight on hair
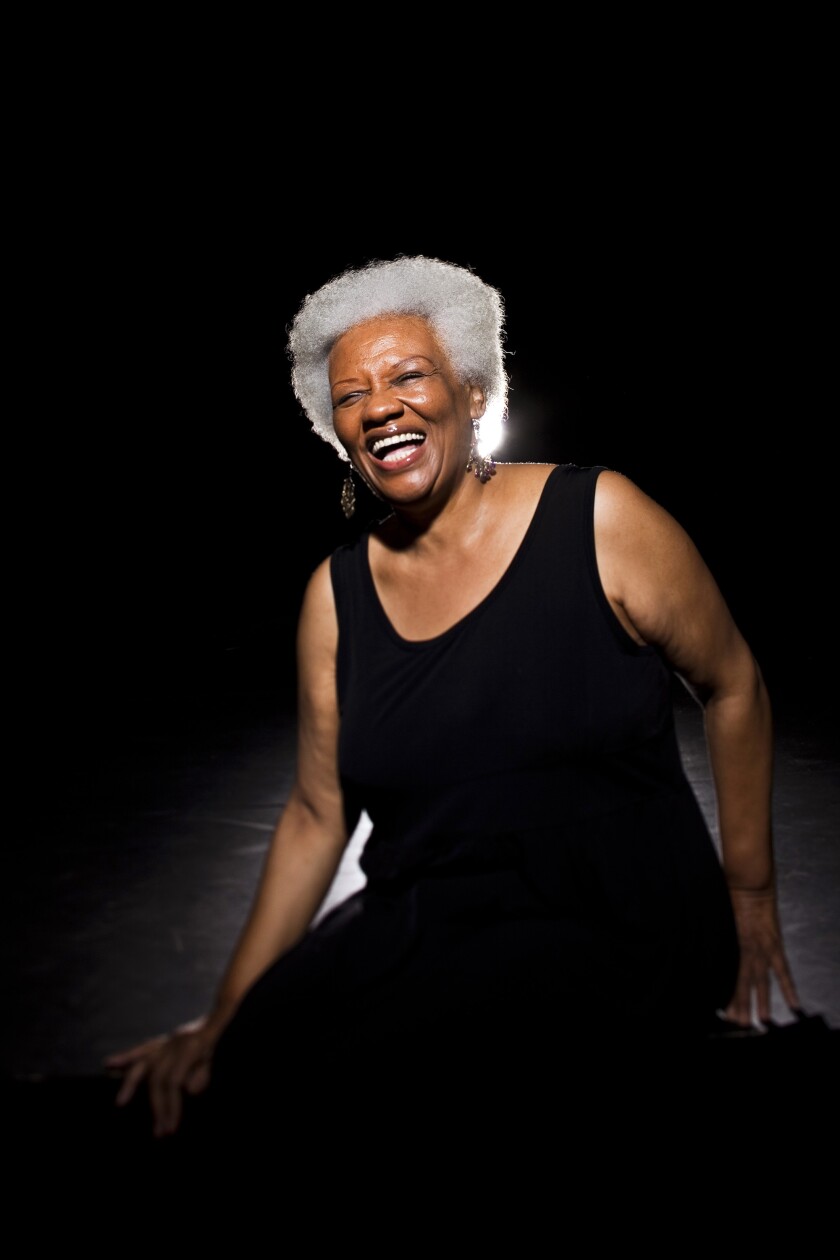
{"x":466,"y":314}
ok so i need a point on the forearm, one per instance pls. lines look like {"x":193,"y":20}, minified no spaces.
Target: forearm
{"x":739,"y":733}
{"x":300,"y":866}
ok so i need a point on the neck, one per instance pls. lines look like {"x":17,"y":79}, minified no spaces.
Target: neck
{"x":452,"y":524}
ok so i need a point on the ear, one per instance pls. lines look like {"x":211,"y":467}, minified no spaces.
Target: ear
{"x":478,"y":403}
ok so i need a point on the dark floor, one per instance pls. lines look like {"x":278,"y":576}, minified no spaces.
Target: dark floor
{"x":132,"y":876}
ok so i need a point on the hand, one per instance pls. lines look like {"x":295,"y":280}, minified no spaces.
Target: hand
{"x":173,"y":1064}
{"x":762,"y":958}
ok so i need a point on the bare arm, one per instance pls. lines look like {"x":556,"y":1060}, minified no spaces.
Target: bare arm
{"x":310,"y":836}
{"x":301,"y":863}
{"x":664,"y":594}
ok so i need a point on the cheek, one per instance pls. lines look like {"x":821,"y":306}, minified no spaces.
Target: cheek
{"x":420,"y":399}
{"x":343,"y":426}
{"x":437,"y":401}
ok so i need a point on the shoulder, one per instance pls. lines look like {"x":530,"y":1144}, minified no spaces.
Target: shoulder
{"x":628,"y":520}
{"x":615,"y":492}
{"x":524,"y":483}
{"x":319,"y":585}
{"x":318,"y":625}
{"x":531,"y":478}
{"x":317,"y":646}
{"x":525,"y":474}
{"x":651,"y":571}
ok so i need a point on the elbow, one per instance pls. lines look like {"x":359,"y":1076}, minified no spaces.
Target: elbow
{"x":743,"y":688}
{"x":740,"y":680}
{"x":699,"y":692}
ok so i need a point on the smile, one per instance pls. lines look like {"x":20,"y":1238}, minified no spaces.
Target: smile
{"x":391,"y":449}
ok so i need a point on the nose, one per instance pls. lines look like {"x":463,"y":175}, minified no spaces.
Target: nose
{"x":381,"y":405}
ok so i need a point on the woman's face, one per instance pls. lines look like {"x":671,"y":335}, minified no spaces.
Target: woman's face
{"x":398,"y":408}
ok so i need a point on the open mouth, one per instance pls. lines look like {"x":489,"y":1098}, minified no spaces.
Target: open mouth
{"x":391,"y":449}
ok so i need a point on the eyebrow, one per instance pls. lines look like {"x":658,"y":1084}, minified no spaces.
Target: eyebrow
{"x":409,"y":358}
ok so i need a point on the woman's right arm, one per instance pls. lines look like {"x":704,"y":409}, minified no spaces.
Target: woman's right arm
{"x":302,"y":861}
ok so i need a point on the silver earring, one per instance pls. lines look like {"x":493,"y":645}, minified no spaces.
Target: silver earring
{"x":348,"y":496}
{"x":483,"y":466}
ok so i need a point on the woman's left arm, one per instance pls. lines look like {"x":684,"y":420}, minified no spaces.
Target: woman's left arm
{"x":664,"y":594}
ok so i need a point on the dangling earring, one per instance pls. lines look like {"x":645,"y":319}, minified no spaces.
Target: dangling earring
{"x":348,"y":496}
{"x":483,"y":466}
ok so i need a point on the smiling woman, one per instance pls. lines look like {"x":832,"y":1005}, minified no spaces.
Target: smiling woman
{"x":399,"y":410}
{"x":486,"y":673}
{"x":466,"y":314}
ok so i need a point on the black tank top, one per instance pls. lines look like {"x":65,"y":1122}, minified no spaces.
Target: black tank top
{"x":533,"y":732}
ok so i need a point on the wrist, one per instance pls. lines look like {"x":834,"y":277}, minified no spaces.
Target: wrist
{"x":222,"y":1012}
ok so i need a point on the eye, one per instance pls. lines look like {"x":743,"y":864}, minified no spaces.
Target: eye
{"x":410,"y":376}
{"x":346,"y":398}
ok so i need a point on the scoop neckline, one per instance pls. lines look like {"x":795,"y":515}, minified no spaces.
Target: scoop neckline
{"x":492,"y":594}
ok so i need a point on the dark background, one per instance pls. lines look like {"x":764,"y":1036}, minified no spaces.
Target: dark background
{"x":657,"y":208}
{"x":665,"y":247}
{"x":666,"y":324}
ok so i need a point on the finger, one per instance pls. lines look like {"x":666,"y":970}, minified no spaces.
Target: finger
{"x":739,"y":1010}
{"x":165,"y":1100}
{"x":762,"y":997}
{"x":737,"y":1014}
{"x":132,"y":1079}
{"x":787,"y":986}
{"x":124,"y":1058}
{"x":198,"y":1079}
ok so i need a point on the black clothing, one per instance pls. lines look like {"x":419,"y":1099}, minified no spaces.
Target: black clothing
{"x":544,"y":929}
{"x":539,"y":873}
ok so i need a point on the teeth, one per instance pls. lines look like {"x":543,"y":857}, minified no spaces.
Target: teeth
{"x":381,"y":443}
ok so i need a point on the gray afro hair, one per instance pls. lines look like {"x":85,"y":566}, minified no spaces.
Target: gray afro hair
{"x":466,"y":314}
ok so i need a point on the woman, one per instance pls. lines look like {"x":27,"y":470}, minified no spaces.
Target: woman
{"x":487,"y":672}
